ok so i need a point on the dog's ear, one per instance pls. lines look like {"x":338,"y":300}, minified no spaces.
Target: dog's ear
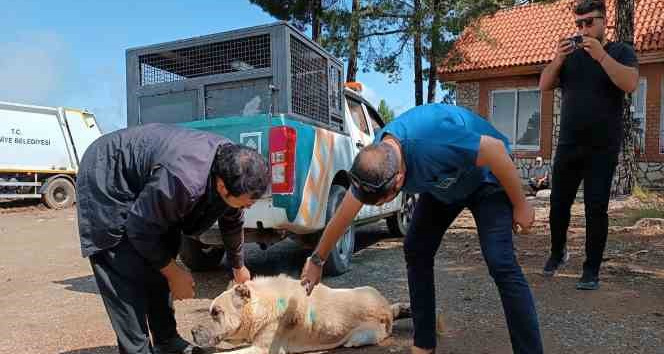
{"x":241,"y":295}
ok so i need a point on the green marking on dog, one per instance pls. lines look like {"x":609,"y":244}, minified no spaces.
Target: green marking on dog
{"x":281,"y":304}
{"x":311,"y":315}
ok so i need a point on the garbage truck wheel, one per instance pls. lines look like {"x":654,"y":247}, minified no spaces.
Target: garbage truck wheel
{"x":60,"y":194}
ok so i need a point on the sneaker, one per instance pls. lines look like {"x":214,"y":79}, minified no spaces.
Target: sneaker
{"x":554,"y":264}
{"x":588,"y":281}
{"x":177,"y":345}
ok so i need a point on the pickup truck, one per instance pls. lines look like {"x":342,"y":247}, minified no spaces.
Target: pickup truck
{"x":292,"y":107}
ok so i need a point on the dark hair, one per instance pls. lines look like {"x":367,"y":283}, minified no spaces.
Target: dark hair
{"x":586,"y":6}
{"x":373,"y":172}
{"x":243,"y":170}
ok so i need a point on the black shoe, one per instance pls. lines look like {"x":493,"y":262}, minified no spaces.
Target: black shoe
{"x":588,"y":281}
{"x":176,"y":345}
{"x":553,"y":264}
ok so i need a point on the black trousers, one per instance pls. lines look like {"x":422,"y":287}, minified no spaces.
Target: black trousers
{"x":136,"y":296}
{"x":595,"y":166}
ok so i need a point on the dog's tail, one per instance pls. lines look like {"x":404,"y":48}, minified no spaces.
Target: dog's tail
{"x":401,"y":310}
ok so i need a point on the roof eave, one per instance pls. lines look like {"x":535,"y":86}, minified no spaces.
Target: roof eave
{"x":651,"y":57}
{"x":490,"y":73}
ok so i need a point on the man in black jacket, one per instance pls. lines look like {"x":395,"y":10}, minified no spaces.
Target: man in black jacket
{"x":594,"y":75}
{"x":139,"y":191}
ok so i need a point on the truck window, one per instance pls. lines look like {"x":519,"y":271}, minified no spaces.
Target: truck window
{"x":358,"y":115}
{"x":243,"y":98}
{"x":374,"y":119}
{"x":169,"y":108}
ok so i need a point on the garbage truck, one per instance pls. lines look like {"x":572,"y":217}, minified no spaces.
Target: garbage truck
{"x":40,"y":151}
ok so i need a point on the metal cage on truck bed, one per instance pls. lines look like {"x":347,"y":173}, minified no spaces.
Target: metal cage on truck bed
{"x":267,"y":69}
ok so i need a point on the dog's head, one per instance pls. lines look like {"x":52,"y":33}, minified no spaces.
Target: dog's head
{"x":228,"y":312}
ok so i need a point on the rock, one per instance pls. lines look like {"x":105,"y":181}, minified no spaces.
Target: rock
{"x":544,"y":194}
{"x":647,"y":223}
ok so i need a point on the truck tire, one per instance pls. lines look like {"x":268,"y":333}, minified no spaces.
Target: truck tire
{"x":198,"y":256}
{"x":338,"y":261}
{"x":398,"y":223}
{"x":59,"y":194}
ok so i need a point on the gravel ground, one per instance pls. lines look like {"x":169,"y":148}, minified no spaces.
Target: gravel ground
{"x":49,"y":301}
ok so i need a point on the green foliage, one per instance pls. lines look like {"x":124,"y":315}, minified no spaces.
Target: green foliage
{"x":385,"y":111}
{"x":388,"y":27}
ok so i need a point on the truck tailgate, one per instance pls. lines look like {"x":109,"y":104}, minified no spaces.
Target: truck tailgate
{"x":250,"y":131}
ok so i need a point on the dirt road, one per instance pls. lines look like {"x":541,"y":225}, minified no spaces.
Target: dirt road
{"x":49,"y":301}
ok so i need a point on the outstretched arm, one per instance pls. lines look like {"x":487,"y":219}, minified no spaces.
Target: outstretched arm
{"x":493,"y":154}
{"x":342,"y":219}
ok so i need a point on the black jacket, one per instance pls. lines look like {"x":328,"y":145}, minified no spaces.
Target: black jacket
{"x":152,"y":184}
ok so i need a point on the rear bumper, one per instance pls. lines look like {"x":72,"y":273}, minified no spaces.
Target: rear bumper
{"x":263,"y":214}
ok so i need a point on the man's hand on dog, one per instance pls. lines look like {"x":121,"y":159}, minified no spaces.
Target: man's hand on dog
{"x":241,"y":275}
{"x":311,"y":275}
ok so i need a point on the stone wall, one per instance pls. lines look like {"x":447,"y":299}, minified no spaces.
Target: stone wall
{"x":525,"y":166}
{"x":468,"y":95}
{"x":651,"y":175}
{"x":557,"y":96}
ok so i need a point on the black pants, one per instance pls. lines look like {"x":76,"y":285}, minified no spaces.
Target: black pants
{"x":136,"y":296}
{"x":492,"y":211}
{"x":595,"y":166}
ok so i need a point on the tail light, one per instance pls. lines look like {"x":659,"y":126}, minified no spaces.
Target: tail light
{"x":282,"y":159}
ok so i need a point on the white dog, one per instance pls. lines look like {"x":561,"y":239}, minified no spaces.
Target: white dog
{"x":273,"y":315}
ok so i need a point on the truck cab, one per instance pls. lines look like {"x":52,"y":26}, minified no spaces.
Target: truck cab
{"x":272,"y":89}
{"x":41,"y":151}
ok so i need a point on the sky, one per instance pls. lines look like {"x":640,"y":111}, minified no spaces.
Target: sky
{"x":72,"y":53}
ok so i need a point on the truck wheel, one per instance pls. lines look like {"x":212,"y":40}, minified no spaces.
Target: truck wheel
{"x":398,"y":223}
{"x":198,"y":256}
{"x":60,"y":193}
{"x":338,"y":261}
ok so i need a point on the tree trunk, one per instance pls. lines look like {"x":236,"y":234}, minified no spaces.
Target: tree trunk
{"x":624,"y":179}
{"x":316,"y":6}
{"x":417,"y":50}
{"x":434,"y":53}
{"x":354,"y":42}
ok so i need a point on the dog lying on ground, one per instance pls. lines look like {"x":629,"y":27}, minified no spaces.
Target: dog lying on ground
{"x":273,"y":315}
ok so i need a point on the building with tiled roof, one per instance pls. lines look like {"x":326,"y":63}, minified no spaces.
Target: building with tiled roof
{"x":497,"y":61}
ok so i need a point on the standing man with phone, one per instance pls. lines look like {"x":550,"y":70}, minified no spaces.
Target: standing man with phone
{"x":594,"y":75}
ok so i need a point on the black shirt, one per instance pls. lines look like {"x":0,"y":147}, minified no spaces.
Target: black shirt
{"x":151,"y":184}
{"x":592,"y":105}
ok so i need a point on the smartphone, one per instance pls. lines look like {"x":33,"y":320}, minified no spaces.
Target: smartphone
{"x":576,"y":40}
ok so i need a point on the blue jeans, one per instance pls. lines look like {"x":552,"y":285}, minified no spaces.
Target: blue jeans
{"x":492,"y":211}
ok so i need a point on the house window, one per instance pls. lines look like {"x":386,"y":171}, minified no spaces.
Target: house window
{"x":639,"y":104}
{"x":516,"y":113}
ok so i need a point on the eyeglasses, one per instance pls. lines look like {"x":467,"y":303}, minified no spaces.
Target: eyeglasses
{"x":368,"y":187}
{"x":588,"y":21}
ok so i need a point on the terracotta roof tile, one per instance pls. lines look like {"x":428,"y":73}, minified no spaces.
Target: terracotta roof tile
{"x":526,"y":35}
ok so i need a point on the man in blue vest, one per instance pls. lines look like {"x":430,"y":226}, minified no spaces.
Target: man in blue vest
{"x":454,"y":159}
